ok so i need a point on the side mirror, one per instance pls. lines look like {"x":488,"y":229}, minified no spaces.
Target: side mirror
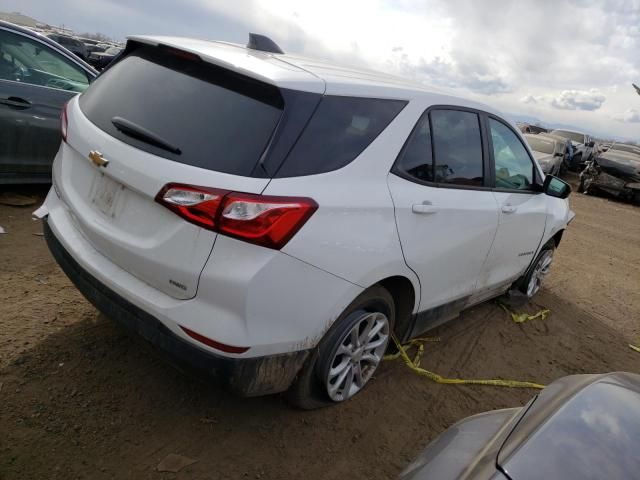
{"x":590,"y":144}
{"x":555,"y":187}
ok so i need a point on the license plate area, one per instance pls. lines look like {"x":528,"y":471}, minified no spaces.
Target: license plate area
{"x":106,"y":194}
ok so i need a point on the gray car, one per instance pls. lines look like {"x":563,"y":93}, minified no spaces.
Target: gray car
{"x":579,"y":427}
{"x":549,"y":152}
{"x":37,"y":77}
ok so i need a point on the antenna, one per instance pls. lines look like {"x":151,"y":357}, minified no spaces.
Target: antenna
{"x":263,"y":43}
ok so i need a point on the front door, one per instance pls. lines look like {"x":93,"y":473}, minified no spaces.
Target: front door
{"x":446,"y":216}
{"x":523,"y":208}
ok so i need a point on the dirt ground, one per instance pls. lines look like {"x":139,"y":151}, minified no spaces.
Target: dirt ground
{"x":80,"y":398}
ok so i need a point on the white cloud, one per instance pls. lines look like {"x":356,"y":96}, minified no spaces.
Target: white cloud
{"x":630,"y":115}
{"x":542,"y":58}
{"x":579,"y":100}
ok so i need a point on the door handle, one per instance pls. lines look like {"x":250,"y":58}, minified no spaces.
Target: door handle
{"x":423,"y":208}
{"x":509,"y":209}
{"x":15,"y":102}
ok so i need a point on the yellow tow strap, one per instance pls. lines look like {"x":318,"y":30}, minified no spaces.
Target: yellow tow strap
{"x":524,"y":317}
{"x":633,"y":347}
{"x":415,"y":366}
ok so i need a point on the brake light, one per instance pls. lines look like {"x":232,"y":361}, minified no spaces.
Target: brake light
{"x":198,"y":205}
{"x":260,"y":219}
{"x":64,"y":122}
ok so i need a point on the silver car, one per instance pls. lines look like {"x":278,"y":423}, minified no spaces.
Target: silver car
{"x":549,"y":152}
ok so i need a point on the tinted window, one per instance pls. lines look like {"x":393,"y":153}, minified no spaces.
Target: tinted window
{"x":340,"y":129}
{"x":514,"y":168}
{"x":23,"y":59}
{"x":416,"y":159}
{"x":457,"y":147}
{"x":217,"y":119}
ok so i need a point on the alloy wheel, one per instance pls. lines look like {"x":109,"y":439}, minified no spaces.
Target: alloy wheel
{"x":358,"y":355}
{"x":540,"y":271}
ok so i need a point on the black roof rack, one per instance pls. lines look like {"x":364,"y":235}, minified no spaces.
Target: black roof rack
{"x":263,"y":43}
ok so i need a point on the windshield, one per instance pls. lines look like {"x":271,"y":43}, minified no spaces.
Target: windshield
{"x":541,"y":144}
{"x":25,"y":60}
{"x":573,"y":136}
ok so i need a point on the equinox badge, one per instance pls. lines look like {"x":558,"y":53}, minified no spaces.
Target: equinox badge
{"x":97,"y":159}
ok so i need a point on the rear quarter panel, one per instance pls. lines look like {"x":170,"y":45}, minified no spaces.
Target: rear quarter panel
{"x":353,"y":234}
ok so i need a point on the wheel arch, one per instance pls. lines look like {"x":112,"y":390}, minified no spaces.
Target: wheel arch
{"x":405,"y":299}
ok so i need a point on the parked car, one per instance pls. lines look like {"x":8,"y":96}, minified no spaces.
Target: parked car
{"x":549,"y":152}
{"x":579,"y":427}
{"x":616,"y":172}
{"x":568,"y":148}
{"x":583,"y":146}
{"x":72,"y":44}
{"x":99,"y":60}
{"x":37,"y":77}
{"x":275,"y":219}
{"x":93,"y":48}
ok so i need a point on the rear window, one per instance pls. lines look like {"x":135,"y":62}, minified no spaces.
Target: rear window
{"x":215,"y":118}
{"x":340,"y":129}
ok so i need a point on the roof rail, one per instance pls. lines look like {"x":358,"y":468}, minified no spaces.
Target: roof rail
{"x":263,"y":43}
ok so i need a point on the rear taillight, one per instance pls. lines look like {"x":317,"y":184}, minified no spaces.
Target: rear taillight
{"x":64,"y":122}
{"x":261,"y":219}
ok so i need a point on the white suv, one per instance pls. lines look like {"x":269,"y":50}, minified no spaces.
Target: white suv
{"x":274,"y":219}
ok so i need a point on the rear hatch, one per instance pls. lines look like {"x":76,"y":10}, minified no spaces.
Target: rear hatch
{"x":161,"y":115}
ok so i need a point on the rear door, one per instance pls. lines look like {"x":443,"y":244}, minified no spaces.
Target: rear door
{"x":446,"y":215}
{"x":523,"y":207}
{"x":35,"y":82}
{"x":211,"y":127}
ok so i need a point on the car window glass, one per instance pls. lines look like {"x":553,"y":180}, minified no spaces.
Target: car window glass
{"x":514,"y":169}
{"x":416,"y":159}
{"x":28,"y":61}
{"x":339,"y":131}
{"x":457,"y":147}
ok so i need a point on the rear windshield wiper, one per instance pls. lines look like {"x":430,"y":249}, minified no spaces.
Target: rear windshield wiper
{"x":136,"y":131}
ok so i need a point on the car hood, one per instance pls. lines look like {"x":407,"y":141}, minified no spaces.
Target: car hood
{"x":542,"y":157}
{"x":582,"y":426}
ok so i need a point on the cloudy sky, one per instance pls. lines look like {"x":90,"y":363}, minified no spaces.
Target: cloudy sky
{"x":565,"y":61}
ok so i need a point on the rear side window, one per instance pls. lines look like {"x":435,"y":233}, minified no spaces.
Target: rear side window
{"x":416,"y":159}
{"x":457,"y":147}
{"x":340,"y":129}
{"x":445,"y":147}
{"x":214,"y":118}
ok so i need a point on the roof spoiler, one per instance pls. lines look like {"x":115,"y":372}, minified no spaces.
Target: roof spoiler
{"x":263,"y":43}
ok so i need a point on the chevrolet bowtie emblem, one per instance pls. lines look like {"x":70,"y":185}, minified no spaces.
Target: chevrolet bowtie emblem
{"x":97,"y":159}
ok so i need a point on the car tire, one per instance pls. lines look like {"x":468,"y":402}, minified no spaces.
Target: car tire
{"x":583,"y":187}
{"x":320,"y":382}
{"x":531,"y":282}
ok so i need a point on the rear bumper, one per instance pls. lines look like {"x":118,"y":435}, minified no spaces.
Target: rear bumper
{"x":244,"y":376}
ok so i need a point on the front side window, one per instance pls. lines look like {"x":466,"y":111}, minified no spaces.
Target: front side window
{"x":457,"y":147}
{"x":514,"y":168}
{"x":25,"y":60}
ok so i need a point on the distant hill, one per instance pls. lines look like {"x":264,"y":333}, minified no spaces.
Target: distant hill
{"x":20,"y":19}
